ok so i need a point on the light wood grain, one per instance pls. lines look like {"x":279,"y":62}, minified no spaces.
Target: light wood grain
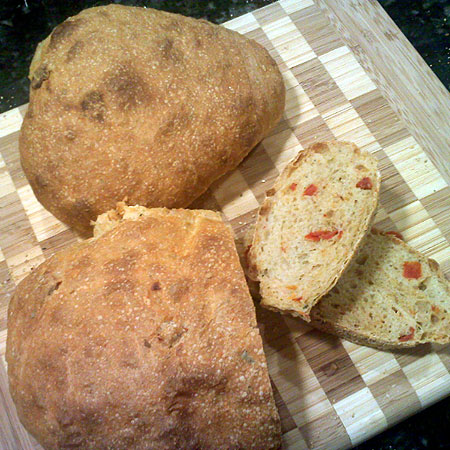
{"x":349,"y":74}
{"x":406,"y":81}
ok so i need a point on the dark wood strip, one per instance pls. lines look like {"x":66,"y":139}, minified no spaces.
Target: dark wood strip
{"x":269,"y":14}
{"x":331,"y":364}
{"x":317,"y":30}
{"x":259,"y":172}
{"x":438,"y":206}
{"x":313,"y":130}
{"x":394,"y":394}
{"x":444,"y":355}
{"x":408,"y":356}
{"x":380,"y":118}
{"x":287,"y":422}
{"x":205,"y":201}
{"x":58,"y":242}
{"x":319,"y":86}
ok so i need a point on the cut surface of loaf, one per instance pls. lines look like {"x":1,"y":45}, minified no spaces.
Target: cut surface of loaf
{"x":390,"y":296}
{"x":311,"y":224}
{"x":143,"y":337}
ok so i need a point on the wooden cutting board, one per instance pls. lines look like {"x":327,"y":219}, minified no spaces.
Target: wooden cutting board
{"x":350,"y":74}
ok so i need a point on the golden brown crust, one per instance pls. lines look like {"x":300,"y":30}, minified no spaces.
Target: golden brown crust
{"x":142,"y":338}
{"x":138,"y":103}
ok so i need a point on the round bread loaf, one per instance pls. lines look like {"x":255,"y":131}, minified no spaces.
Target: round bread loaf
{"x":144,"y":105}
{"x":144,"y":337}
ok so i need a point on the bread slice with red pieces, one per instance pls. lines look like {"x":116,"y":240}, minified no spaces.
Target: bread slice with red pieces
{"x":311,"y":224}
{"x":391,"y":296}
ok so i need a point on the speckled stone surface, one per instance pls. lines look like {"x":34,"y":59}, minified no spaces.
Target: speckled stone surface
{"x":24,"y":23}
{"x":425,"y":23}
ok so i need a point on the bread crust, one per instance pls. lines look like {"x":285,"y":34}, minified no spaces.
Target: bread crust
{"x":144,"y":105}
{"x":256,"y":269}
{"x":142,"y":338}
{"x":360,"y":336}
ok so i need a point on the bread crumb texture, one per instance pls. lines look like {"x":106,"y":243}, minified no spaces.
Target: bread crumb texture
{"x":136,"y":103}
{"x":311,"y":223}
{"x":390,"y":296}
{"x":143,"y":337}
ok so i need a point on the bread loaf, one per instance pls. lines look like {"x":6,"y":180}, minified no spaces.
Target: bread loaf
{"x":391,"y":296}
{"x":136,"y":103}
{"x":311,"y":224}
{"x":143,"y":337}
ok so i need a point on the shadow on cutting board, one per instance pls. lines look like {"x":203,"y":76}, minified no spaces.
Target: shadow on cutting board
{"x":282,"y":359}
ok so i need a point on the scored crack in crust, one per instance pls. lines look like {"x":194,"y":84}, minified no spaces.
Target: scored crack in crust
{"x":311,"y":224}
{"x":143,"y":337}
{"x":136,"y":103}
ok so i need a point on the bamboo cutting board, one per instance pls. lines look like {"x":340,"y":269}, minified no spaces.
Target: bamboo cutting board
{"x":350,"y":74}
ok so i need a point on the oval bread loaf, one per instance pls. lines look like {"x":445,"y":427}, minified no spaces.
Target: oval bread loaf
{"x":144,"y":337}
{"x":139,"y":104}
{"x":311,"y":223}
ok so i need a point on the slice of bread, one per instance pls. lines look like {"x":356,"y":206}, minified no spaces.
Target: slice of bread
{"x":391,"y":296}
{"x":311,"y":224}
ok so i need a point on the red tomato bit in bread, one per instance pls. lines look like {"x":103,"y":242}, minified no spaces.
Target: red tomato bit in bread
{"x":412,"y":270}
{"x":293,"y":186}
{"x":435,"y":308}
{"x":316,"y":236}
{"x":310,"y":190}
{"x":297,"y":299}
{"x":407,"y":337}
{"x":364,"y":183}
{"x":395,"y":233}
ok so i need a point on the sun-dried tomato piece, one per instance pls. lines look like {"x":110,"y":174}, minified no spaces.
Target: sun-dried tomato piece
{"x":297,"y":299}
{"x":310,"y":190}
{"x":435,"y":308}
{"x":316,"y":236}
{"x":407,"y":337}
{"x":364,"y":183}
{"x":293,"y":186}
{"x":395,"y":233}
{"x":412,"y":270}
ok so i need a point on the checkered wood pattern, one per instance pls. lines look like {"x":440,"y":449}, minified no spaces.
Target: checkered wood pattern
{"x":330,"y":393}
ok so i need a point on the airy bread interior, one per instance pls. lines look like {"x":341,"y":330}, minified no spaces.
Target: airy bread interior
{"x":311,"y":223}
{"x":377,"y":302}
{"x":123,"y":212}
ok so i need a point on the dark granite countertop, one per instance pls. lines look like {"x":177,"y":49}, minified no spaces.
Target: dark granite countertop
{"x":24,"y":23}
{"x":425,"y":23}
